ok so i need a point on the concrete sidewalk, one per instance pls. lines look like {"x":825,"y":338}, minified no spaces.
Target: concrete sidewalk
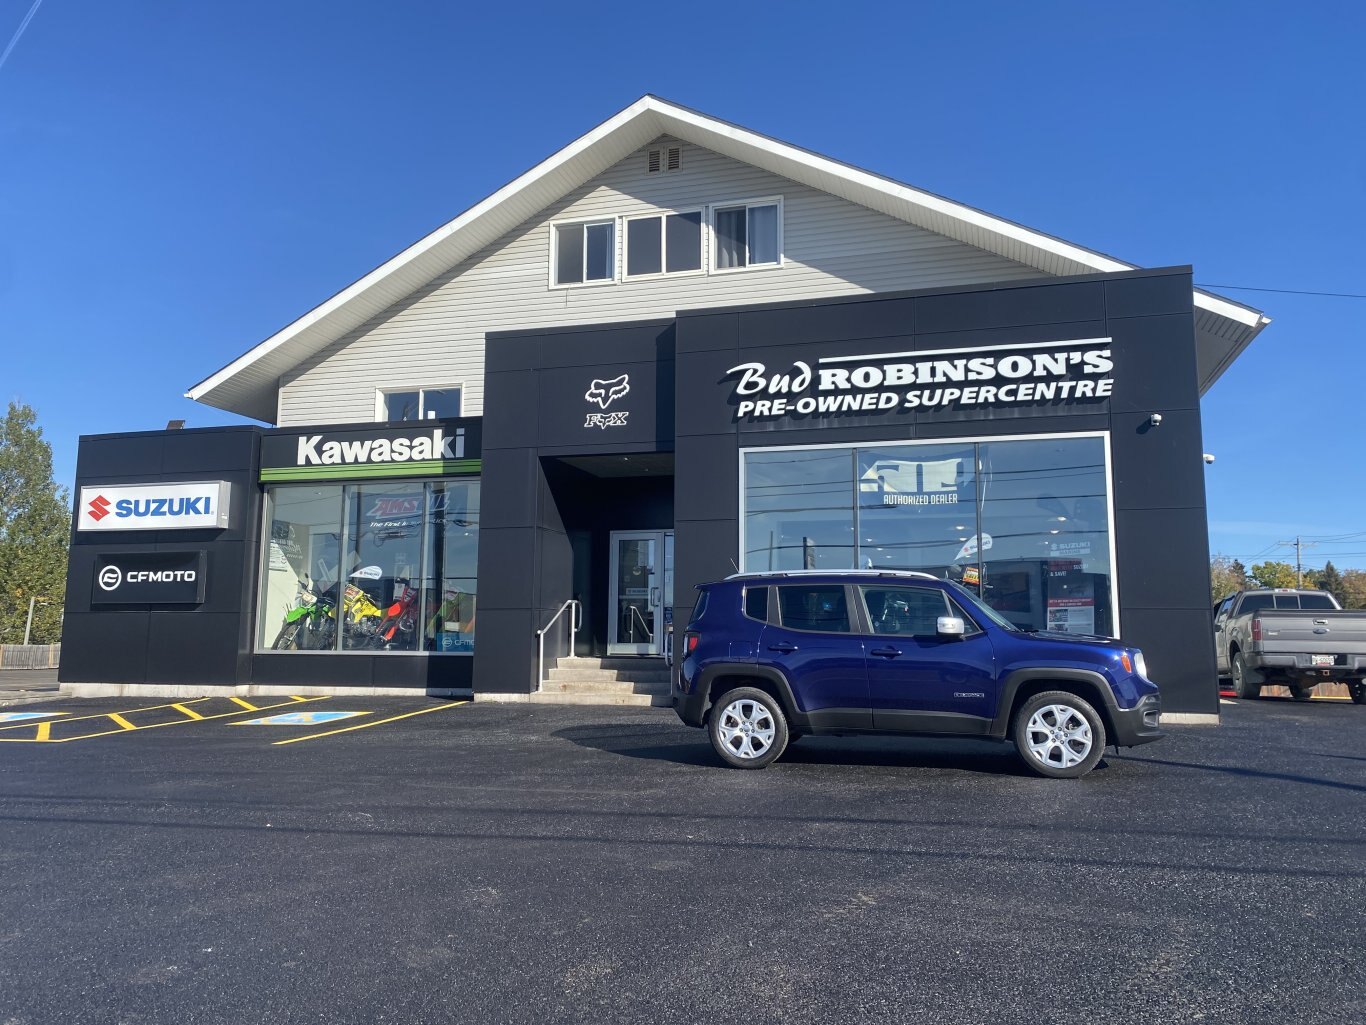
{"x":21,"y":686}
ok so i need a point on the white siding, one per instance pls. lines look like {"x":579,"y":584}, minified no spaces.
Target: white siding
{"x":436,"y":336}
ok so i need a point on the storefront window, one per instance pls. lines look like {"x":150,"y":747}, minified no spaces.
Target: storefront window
{"x":1023,"y":523}
{"x":1044,"y":509}
{"x":917,"y":508}
{"x":370,"y":567}
{"x":299,"y":572}
{"x":799,"y":509}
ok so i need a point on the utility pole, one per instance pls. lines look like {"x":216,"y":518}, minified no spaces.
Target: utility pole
{"x":1298,"y":545}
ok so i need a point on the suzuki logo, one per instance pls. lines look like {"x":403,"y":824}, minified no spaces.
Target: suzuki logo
{"x":99,"y":508}
{"x":110,"y":577}
{"x":604,"y":393}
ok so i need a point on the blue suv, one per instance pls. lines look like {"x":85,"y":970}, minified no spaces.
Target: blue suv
{"x":770,"y":657}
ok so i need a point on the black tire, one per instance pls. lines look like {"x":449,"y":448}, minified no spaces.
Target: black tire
{"x":1357,"y":689}
{"x":1299,"y":692}
{"x":288,"y":637}
{"x":1242,"y":686}
{"x":1060,"y":733}
{"x":747,"y":728}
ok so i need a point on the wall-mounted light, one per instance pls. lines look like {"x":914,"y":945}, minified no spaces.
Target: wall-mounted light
{"x":1154,"y":419}
{"x":1209,"y":458}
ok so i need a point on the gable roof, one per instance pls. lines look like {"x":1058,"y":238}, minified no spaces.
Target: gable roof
{"x":249,"y":383}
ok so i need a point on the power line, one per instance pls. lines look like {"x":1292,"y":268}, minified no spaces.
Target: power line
{"x":1287,"y":291}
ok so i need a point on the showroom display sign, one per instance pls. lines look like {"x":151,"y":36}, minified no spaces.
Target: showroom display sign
{"x":986,"y":376}
{"x":189,"y":506}
{"x":415,"y":449}
{"x":149,"y":578}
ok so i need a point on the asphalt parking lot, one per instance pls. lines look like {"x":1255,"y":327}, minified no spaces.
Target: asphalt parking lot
{"x":485,"y":863}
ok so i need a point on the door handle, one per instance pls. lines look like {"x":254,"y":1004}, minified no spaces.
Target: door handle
{"x":784,"y":647}
{"x":886,"y":652}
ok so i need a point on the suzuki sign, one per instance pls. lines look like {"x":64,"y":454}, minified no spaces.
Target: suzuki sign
{"x":198,"y":506}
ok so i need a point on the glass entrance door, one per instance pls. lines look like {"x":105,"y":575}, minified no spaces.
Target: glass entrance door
{"x":641,"y":586}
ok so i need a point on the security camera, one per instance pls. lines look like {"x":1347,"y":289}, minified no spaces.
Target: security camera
{"x":1155,"y":419}
{"x":1209,"y":458}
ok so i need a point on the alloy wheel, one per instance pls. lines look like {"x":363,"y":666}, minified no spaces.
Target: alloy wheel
{"x":1059,"y":736}
{"x":746,"y":728}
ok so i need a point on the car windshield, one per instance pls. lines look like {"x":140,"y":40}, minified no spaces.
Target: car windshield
{"x":982,"y":608}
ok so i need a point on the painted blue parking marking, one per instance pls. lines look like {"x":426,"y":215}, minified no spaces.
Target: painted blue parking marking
{"x":299,"y":718}
{"x":17,"y":716}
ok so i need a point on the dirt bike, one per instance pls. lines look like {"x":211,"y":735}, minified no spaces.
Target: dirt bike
{"x":311,"y":622}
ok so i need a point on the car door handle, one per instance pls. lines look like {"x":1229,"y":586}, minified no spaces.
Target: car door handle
{"x":886,"y":652}
{"x":784,"y":647}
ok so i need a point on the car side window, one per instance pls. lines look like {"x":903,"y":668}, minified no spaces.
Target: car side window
{"x":1253,"y":602}
{"x":756,"y":603}
{"x":1221,"y":610}
{"x":905,"y":611}
{"x":820,"y":608}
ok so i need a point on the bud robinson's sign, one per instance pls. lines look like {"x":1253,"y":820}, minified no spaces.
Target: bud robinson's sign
{"x":991,"y":376}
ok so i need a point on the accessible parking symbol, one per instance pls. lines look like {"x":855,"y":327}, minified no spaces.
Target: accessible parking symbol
{"x":299,"y":718}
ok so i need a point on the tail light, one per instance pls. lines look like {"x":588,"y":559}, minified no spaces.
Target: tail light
{"x":689,"y":643}
{"x":1256,"y":629}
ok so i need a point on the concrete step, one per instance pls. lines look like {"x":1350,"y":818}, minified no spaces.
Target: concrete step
{"x":608,"y":687}
{"x":561,"y":672}
{"x":620,"y":663}
{"x":600,"y":698}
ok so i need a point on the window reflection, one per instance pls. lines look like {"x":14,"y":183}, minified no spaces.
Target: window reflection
{"x":799,"y":509}
{"x":1025,"y":524}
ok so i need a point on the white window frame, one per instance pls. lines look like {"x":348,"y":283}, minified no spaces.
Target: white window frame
{"x":554,"y":262}
{"x":382,"y":396}
{"x":713,"y":249}
{"x":661,"y":216}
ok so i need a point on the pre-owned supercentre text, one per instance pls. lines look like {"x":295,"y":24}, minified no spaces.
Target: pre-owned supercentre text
{"x":870,"y":384}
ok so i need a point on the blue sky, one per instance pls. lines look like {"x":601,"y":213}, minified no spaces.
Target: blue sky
{"x":180,"y":180}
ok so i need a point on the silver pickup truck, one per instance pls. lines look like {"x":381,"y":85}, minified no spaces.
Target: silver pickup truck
{"x":1289,"y":637}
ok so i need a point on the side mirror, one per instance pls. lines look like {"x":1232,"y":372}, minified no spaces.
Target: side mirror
{"x":950,"y":627}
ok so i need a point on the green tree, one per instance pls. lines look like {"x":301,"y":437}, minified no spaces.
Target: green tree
{"x":1353,"y":589}
{"x":1330,"y":580}
{"x":1273,"y":574}
{"x":1226,"y":575}
{"x":35,"y":531}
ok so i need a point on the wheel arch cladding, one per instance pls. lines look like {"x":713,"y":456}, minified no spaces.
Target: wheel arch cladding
{"x":1023,"y":684}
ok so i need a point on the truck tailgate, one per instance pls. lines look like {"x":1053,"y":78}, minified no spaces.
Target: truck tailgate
{"x":1323,"y":632}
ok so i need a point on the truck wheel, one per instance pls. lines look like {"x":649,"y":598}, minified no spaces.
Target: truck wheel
{"x":1357,"y":688}
{"x":1058,"y":735}
{"x":1242,"y":687}
{"x":1300,"y":693}
{"x":747,"y":728}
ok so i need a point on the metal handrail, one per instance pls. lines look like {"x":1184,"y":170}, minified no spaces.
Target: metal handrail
{"x":575,"y":621}
{"x":650,"y":634}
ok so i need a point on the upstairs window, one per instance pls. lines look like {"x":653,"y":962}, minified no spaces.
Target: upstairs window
{"x":748,"y":234}
{"x":418,"y":404}
{"x":664,"y":244}
{"x":584,"y":252}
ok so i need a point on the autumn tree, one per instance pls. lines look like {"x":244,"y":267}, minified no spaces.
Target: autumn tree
{"x":1273,"y":574}
{"x":35,"y":530}
{"x":1353,"y":589}
{"x":1226,"y":575}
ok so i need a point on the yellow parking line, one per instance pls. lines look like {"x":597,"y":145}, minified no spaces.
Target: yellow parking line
{"x":106,"y":715}
{"x":245,"y":704}
{"x":124,"y":723}
{"x":187,"y":711}
{"x":367,"y":725}
{"x":152,"y":726}
{"x":44,"y":730}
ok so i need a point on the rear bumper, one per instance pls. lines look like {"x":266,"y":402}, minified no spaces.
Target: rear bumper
{"x":1138,"y":725}
{"x":691,"y":708}
{"x":1297,"y":664}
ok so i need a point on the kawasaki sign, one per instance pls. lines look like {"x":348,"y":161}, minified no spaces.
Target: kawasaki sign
{"x":419,"y":449}
{"x":203,"y":505}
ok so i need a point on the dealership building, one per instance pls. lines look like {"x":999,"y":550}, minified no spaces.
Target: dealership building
{"x":674,"y":349}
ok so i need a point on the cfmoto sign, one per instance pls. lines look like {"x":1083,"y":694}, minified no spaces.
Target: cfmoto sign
{"x":149,"y":578}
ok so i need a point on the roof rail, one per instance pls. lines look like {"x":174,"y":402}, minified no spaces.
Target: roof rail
{"x":832,"y":573}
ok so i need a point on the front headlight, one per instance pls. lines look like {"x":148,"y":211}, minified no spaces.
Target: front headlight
{"x":1140,"y":666}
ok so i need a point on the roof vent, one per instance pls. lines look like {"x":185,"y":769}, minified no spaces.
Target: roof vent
{"x":657,"y":160}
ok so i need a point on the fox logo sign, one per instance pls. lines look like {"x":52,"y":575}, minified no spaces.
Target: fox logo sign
{"x":604,"y":393}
